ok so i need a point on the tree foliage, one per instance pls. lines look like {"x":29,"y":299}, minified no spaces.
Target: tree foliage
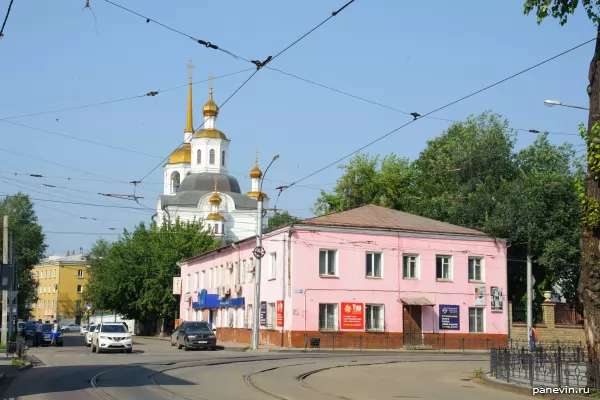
{"x":284,"y":218}
{"x":561,"y":9}
{"x":134,"y":275}
{"x":28,"y":244}
{"x":472,"y":176}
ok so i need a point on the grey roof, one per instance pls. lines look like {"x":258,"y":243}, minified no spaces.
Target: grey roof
{"x":205,"y":181}
{"x":191,"y":199}
{"x":376,"y":217}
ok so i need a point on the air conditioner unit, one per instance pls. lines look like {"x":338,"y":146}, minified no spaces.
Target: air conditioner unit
{"x":188,"y":297}
{"x":238,"y":289}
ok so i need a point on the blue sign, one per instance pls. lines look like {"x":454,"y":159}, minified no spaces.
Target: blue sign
{"x":298,"y":291}
{"x":449,"y":317}
{"x":212,"y":301}
{"x":263,"y":313}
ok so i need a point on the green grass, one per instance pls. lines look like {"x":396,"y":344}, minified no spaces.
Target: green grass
{"x":478,"y":373}
{"x":246,"y":348}
{"x":17,"y":361}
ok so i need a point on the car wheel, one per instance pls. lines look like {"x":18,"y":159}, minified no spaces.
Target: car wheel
{"x":172,"y":344}
{"x":60,"y":344}
{"x":67,"y":330}
{"x":93,"y":348}
{"x":213,"y":348}
{"x":179,"y":347}
{"x":129,"y":351}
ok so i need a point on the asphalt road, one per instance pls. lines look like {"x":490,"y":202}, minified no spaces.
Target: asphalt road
{"x":157,"y":371}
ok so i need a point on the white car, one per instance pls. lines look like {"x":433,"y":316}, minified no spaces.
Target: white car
{"x":89,"y":334}
{"x":71,"y":328}
{"x":84,"y":330}
{"x":111,"y":336}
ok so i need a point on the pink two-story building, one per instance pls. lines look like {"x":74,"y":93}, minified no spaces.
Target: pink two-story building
{"x":370,"y":277}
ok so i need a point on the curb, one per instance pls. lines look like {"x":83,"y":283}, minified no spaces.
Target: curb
{"x":376,"y":352}
{"x":487,"y":380}
{"x":238,"y":349}
{"x":24,"y":367}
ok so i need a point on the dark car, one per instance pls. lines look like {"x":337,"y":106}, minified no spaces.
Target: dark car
{"x":194,"y":335}
{"x":30,"y":330}
{"x":47,"y":336}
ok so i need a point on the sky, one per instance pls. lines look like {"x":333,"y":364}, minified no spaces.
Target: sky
{"x":412,"y":56}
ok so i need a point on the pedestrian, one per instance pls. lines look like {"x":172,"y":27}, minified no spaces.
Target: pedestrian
{"x":54,"y":333}
{"x":38,"y":334}
{"x":532,"y":338}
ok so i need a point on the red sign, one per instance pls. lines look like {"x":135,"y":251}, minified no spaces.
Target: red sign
{"x":280,"y":313}
{"x":353,"y":316}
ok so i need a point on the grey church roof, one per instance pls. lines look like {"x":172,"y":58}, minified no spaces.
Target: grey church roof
{"x":195,"y":186}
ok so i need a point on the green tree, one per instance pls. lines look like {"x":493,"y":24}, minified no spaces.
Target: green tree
{"x":369,"y":180}
{"x":28,"y":245}
{"x":589,"y":289}
{"x":284,"y":218}
{"x":135,"y":278}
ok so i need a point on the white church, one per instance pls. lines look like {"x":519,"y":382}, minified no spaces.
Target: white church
{"x":197,"y":185}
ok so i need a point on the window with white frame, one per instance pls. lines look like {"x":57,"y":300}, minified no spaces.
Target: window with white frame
{"x":188,"y":283}
{"x":327,"y":263}
{"x":272,"y":266}
{"x":243,"y":271}
{"x":443,"y":268}
{"x":476,"y":269}
{"x":196,"y":281}
{"x":218,"y":276}
{"x":328,"y":317}
{"x":210,"y":275}
{"x":80,"y":273}
{"x":202,"y":280}
{"x":374,"y":316}
{"x":236,"y":273}
{"x":224,"y":281}
{"x":240,"y":316}
{"x":249,"y":320}
{"x":476,"y":316}
{"x":250,"y":268}
{"x":79,"y":288}
{"x":271,"y":315}
{"x":410,"y":266}
{"x":374,"y":265}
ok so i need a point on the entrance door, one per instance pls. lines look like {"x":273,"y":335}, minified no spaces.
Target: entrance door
{"x":211,"y":315}
{"x":413,"y":325}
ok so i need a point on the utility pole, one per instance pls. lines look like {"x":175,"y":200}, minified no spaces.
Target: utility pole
{"x":4,"y":292}
{"x":529,"y":294}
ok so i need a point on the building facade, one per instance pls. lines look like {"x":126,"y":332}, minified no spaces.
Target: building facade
{"x":60,"y":281}
{"x":198,"y":185}
{"x":370,"y":275}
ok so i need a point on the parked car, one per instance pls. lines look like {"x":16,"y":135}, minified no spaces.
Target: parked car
{"x":89,"y":334}
{"x":194,"y":335}
{"x":30,"y":330}
{"x":47,"y":336}
{"x":84,"y":329}
{"x":71,"y":328}
{"x":111,"y":336}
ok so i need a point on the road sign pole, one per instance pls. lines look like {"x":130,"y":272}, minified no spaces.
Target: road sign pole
{"x":4,"y":292}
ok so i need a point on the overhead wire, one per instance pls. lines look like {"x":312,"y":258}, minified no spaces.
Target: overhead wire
{"x":6,"y":18}
{"x":418,"y":116}
{"x":82,"y":204}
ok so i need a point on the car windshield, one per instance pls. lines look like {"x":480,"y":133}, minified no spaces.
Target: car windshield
{"x":113,"y":328}
{"x":197,"y":326}
{"x":92,"y":328}
{"x":31,"y":325}
{"x":47,"y":328}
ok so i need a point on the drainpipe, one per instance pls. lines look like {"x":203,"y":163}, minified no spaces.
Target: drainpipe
{"x":508,"y":321}
{"x":289,"y":260}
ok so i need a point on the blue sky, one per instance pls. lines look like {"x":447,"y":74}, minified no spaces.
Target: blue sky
{"x":414,"y":56}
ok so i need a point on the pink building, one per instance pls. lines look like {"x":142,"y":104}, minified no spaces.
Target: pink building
{"x":369,"y":277}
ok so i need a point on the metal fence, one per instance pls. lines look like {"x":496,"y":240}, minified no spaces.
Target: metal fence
{"x":567,"y":315}
{"x":519,"y":314}
{"x":545,"y":367}
{"x":17,"y":348}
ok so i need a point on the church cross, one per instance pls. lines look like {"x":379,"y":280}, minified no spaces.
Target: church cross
{"x":215,"y":183}
{"x":210,"y":79}
{"x":256,"y":155}
{"x":190,"y":69}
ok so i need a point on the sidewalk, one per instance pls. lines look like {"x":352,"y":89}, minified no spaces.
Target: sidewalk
{"x":230,"y":346}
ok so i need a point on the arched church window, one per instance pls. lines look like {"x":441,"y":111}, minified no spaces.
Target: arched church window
{"x":223,"y":158}
{"x":199,"y":159}
{"x":175,"y":178}
{"x":211,"y":157}
{"x":216,"y":228}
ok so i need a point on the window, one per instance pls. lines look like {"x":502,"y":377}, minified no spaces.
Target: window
{"x":202,"y":281}
{"x":241,"y":319}
{"x":211,"y":157}
{"x":375,"y":317}
{"x":196,"y":281}
{"x":79,"y":289}
{"x":187,"y":283}
{"x":272,"y":266}
{"x":217,"y":229}
{"x":223,"y":158}
{"x":409,"y":266}
{"x":210,"y":273}
{"x":80,"y":273}
{"x":328,"y":317}
{"x":217,"y":277}
{"x":199,"y":157}
{"x":249,"y":320}
{"x":374,"y":268}
{"x":270,"y":315}
{"x":78,"y":305}
{"x":236,"y":273}
{"x":175,"y":182}
{"x":443,"y":268}
{"x":243,"y":271}
{"x":327,"y":264}
{"x":476,"y":320}
{"x":476,"y":269}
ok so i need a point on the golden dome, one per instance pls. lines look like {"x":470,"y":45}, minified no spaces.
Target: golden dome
{"x":215,"y":198}
{"x":210,"y":133}
{"x":256,"y":172}
{"x":210,"y":109}
{"x":254,"y":195}
{"x":181,"y":155}
{"x":215,"y":217}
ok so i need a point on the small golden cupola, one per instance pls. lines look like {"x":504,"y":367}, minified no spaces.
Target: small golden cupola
{"x":255,"y":176}
{"x":210,"y":111}
{"x":215,"y":203}
{"x":181,"y":155}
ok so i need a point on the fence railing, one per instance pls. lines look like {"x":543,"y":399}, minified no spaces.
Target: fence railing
{"x":550,"y":367}
{"x":567,"y":315}
{"x":519,"y":315}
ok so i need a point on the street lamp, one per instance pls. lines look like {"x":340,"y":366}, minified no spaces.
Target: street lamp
{"x":552,"y":103}
{"x":259,"y":252}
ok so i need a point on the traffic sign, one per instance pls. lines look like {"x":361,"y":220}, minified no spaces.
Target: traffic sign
{"x":259,"y":252}
{"x":88,"y":306}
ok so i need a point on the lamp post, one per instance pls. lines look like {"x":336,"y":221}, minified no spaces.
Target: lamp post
{"x":552,"y":103}
{"x":259,"y":252}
